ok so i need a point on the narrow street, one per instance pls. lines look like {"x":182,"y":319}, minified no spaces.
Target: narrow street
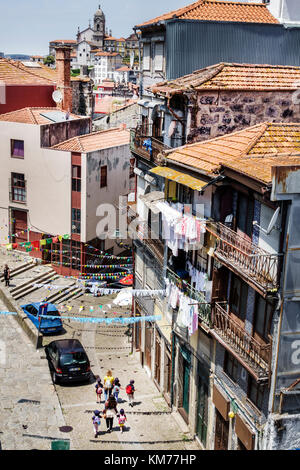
{"x":29,"y":398}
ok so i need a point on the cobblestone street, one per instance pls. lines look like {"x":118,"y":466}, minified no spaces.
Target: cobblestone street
{"x":28,"y":397}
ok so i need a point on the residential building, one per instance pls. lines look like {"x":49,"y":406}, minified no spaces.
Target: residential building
{"x":220,"y":99}
{"x":233,"y":377}
{"x":50,"y":161}
{"x":37,"y":58}
{"x":127,"y":114}
{"x":105,"y":65}
{"x":31,"y":84}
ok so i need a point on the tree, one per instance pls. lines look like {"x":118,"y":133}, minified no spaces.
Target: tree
{"x":49,"y":60}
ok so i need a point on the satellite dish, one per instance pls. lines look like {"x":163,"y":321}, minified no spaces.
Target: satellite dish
{"x":57,"y":96}
{"x":273,"y":221}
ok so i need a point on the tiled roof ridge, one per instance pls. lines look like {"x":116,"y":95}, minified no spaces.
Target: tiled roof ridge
{"x":18,"y":65}
{"x":264,"y":127}
{"x":185,"y":10}
{"x":79,"y":137}
{"x":203,"y":142}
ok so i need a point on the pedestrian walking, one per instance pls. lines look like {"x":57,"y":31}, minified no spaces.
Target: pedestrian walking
{"x":122,"y":420}
{"x":6,"y":274}
{"x":116,"y":389}
{"x":99,"y":390}
{"x":96,"y":422}
{"x":110,"y":412}
{"x":108,"y":384}
{"x":130,"y":389}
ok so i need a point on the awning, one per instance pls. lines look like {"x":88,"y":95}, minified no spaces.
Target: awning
{"x":150,"y":199}
{"x":181,"y":178}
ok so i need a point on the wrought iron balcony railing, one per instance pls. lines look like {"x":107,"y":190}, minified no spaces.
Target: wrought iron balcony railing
{"x":204,"y":308}
{"x":255,"y":264}
{"x":256,"y":355}
{"x":146,"y":146}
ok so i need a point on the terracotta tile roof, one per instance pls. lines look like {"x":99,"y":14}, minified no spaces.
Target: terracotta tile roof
{"x":217,"y":10}
{"x":64,"y":41}
{"x":16,"y":73}
{"x":31,"y":116}
{"x":95,"y":141}
{"x":260,"y":169}
{"x":239,"y":149}
{"x":225,"y":76}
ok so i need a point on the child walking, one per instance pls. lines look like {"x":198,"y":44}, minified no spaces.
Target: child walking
{"x":130,"y":389}
{"x":122,"y":419}
{"x":96,"y":422}
{"x":99,"y":390}
{"x":116,"y":389}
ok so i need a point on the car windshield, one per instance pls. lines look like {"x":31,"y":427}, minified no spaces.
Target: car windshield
{"x":53,"y":313}
{"x":68,"y":359}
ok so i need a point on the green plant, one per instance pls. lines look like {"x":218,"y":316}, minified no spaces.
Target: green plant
{"x":49,"y":60}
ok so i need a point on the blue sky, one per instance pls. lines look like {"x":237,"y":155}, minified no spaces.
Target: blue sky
{"x":27,"y":26}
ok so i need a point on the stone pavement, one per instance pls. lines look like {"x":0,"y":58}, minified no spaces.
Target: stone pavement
{"x":25,"y":376}
{"x":30,"y":414}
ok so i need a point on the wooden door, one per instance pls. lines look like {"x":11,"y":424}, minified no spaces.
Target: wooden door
{"x":19,"y":226}
{"x":148,"y":341}
{"x":221,"y":432}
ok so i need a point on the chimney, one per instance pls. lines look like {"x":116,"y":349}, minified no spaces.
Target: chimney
{"x":63,"y":68}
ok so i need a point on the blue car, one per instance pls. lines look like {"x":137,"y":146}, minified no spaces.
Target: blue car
{"x":51,"y":325}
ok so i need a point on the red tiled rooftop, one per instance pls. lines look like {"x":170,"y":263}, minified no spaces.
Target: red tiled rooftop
{"x":217,"y":10}
{"x":226,"y":76}
{"x":95,"y":141}
{"x":242,"y":150}
{"x":31,"y":116}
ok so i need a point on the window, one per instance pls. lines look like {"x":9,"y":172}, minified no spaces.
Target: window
{"x":231,"y":366}
{"x":17,"y":148}
{"x":131,"y":170}
{"x":263,"y":313}
{"x":146,"y":57}
{"x":18,"y":187}
{"x":103,"y":176}
{"x":76,"y":221}
{"x":159,"y":56}
{"x":238,"y":297}
{"x":76,"y":178}
{"x":255,"y":392}
{"x":245,"y":214}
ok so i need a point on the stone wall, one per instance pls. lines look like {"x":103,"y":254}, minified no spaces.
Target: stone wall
{"x":217,"y":113}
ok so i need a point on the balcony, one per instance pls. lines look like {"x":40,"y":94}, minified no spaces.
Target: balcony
{"x":258,"y":267}
{"x":204,"y":307}
{"x":253,"y":355}
{"x":142,"y":232}
{"x":147,"y":147}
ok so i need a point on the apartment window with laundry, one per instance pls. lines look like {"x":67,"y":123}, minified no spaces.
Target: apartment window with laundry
{"x":231,"y":366}
{"x":18,"y":187}
{"x":238,"y":297}
{"x":245,"y":213}
{"x":103,"y":176}
{"x":76,"y":219}
{"x":17,"y":148}
{"x":76,"y":178}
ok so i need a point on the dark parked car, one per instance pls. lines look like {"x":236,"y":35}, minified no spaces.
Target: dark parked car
{"x":68,"y":361}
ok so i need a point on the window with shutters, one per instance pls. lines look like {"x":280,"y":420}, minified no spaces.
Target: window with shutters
{"x":146,"y":57}
{"x":159,"y":56}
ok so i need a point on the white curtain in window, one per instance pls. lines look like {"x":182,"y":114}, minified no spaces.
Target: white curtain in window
{"x":159,"y":56}
{"x":146,"y":57}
